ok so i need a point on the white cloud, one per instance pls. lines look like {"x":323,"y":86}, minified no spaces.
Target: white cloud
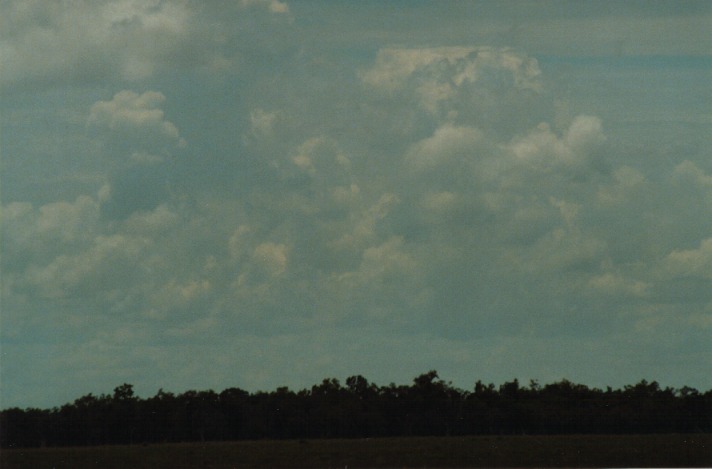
{"x":611,"y":283}
{"x":585,"y":134}
{"x":543,"y":150}
{"x":363,"y":223}
{"x":387,"y":287}
{"x":131,"y":113}
{"x":434,"y":199}
{"x":274,"y":6}
{"x":691,"y":262}
{"x":152,"y":15}
{"x":238,"y":242}
{"x":175,"y":297}
{"x":136,"y":141}
{"x":689,"y":172}
{"x":627,"y":182}
{"x":263,"y":122}
{"x":89,"y":40}
{"x":271,"y":257}
{"x":564,"y":250}
{"x":459,"y":83}
{"x":447,"y":143}
{"x":69,"y":221}
{"x":35,"y":234}
{"x":107,"y":265}
{"x":457,"y":65}
{"x":321,"y":156}
{"x":154,"y":222}
{"x":387,"y":260}
{"x":440,"y":202}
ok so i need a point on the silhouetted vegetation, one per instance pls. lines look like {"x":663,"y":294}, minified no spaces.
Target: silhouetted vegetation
{"x":360,"y":409}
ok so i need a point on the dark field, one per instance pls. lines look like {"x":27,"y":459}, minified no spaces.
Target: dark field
{"x":480,"y":451}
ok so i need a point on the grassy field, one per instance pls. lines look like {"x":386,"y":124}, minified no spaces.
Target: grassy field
{"x":483,"y":451}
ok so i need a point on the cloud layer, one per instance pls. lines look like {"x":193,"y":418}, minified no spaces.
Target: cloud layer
{"x":257,"y":211}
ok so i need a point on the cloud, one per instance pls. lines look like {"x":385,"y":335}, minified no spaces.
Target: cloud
{"x":462,"y":84}
{"x":362,"y":222}
{"x":126,"y":41}
{"x":448,"y":142}
{"x":271,"y":257}
{"x":140,"y":146}
{"x":691,"y":262}
{"x":274,"y":6}
{"x":175,"y":297}
{"x":104,"y":266}
{"x":376,"y":226}
{"x":135,"y":189}
{"x":321,"y":156}
{"x":628,"y":185}
{"x":91,"y":41}
{"x":263,"y":122}
{"x":542,"y":150}
{"x":36,"y":233}
{"x":65,"y":251}
{"x":155,"y":222}
{"x":367,"y":208}
{"x":615,"y":284}
{"x":395,"y":68}
{"x":138,"y":117}
{"x":386,"y":288}
{"x":689,"y":172}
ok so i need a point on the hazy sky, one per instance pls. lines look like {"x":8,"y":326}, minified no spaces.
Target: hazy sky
{"x":201,"y":195}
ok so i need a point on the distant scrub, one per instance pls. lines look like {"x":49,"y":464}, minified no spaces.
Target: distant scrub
{"x":358,"y":409}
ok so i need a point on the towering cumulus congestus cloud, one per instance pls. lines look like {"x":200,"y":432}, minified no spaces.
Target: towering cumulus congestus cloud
{"x":494,"y":88}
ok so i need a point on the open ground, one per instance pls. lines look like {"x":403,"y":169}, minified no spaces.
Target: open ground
{"x":476,"y":451}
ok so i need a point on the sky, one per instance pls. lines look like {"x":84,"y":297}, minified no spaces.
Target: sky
{"x":257,"y":193}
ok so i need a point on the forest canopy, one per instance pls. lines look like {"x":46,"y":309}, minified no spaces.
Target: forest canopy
{"x":360,"y":409}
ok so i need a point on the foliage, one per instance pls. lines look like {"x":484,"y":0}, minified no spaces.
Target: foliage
{"x":428,"y":407}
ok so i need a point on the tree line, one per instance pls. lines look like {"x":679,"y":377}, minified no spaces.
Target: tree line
{"x":360,"y":409}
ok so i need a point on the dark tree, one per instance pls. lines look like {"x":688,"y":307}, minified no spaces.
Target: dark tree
{"x":429,"y":406}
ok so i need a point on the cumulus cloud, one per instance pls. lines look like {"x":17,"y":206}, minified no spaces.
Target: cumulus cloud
{"x":321,"y":156}
{"x":542,"y":150}
{"x":446,"y":143}
{"x":689,"y":172}
{"x":274,"y":6}
{"x":691,"y":262}
{"x":363,"y":221}
{"x":387,"y":260}
{"x":263,"y":122}
{"x":627,"y":184}
{"x":176,"y":297}
{"x":386,"y":288}
{"x":140,"y":145}
{"x":36,"y":233}
{"x":373,"y":240}
{"x":464,"y":85}
{"x":271,"y":257}
{"x":457,"y":65}
{"x":65,"y":251}
{"x":119,"y":41}
{"x":89,"y":41}
{"x":153,"y":222}
{"x":410,"y":196}
{"x":104,"y":266}
{"x":615,"y":284}
{"x":138,"y":117}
